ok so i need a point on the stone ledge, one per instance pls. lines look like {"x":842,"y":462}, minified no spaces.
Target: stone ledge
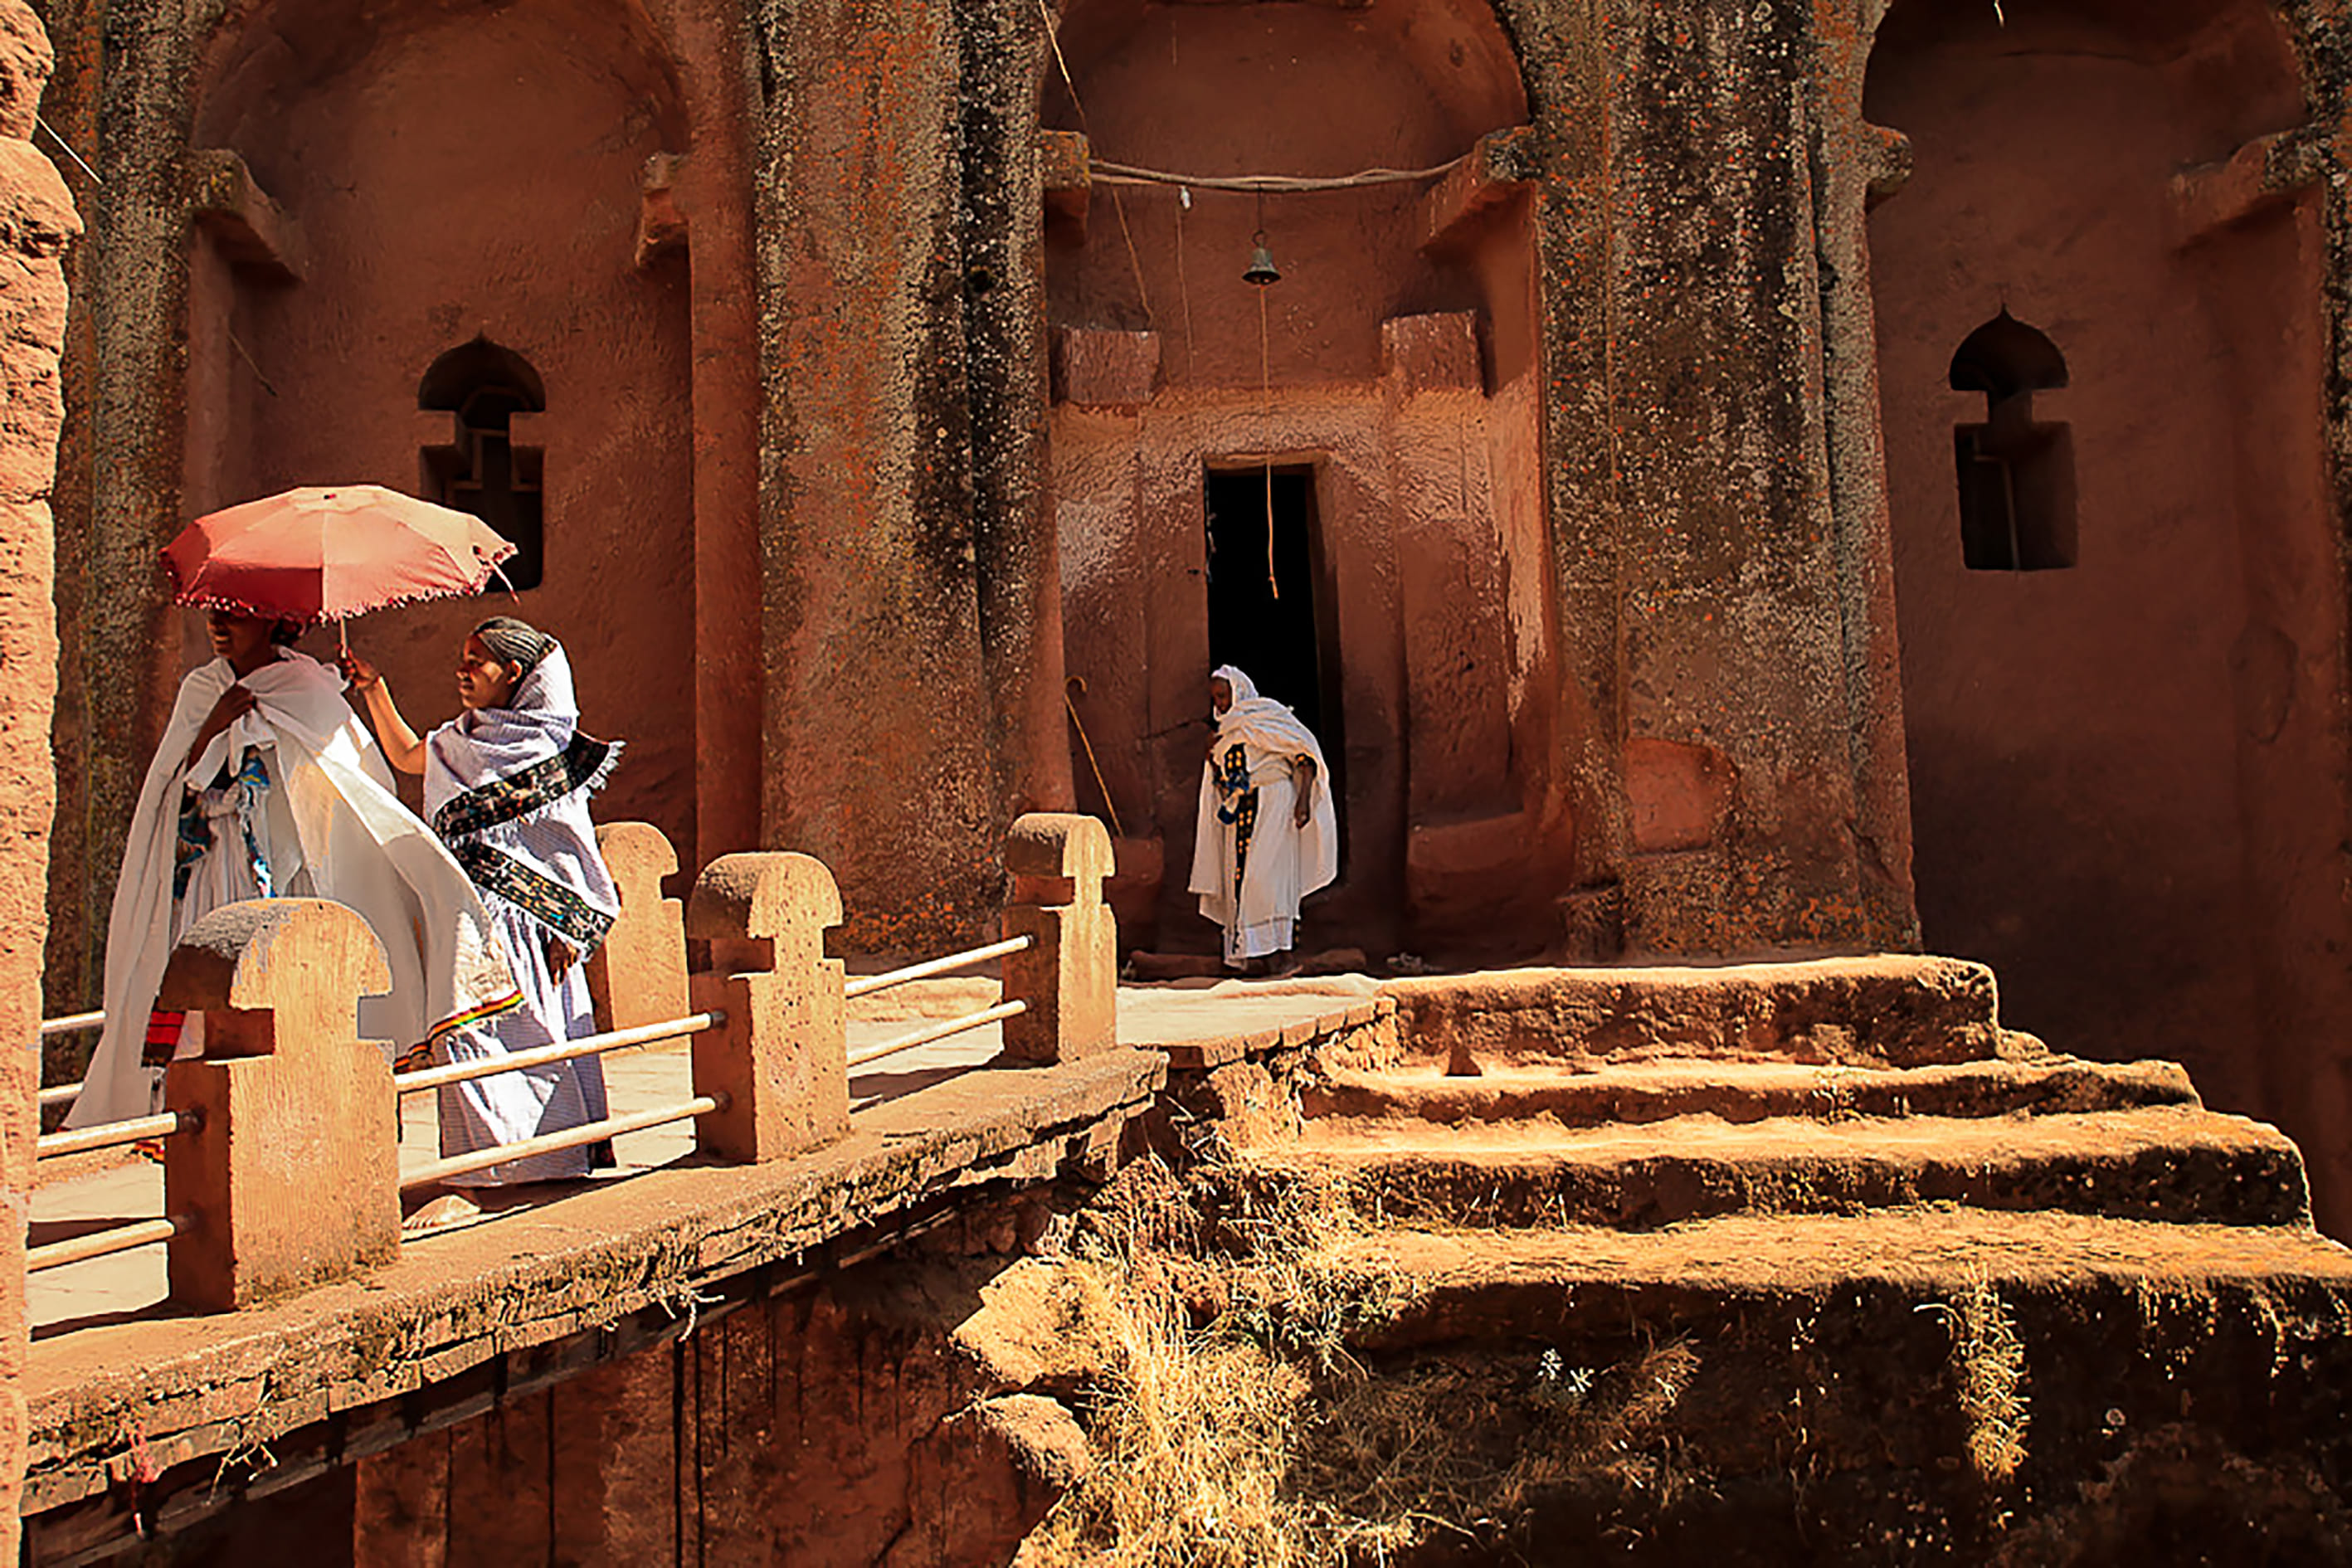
{"x":253,"y":231}
{"x":188,"y":1388}
{"x":2266,"y":172}
{"x":1068,"y":180}
{"x":1504,"y":164}
{"x":1898,"y":1009}
{"x":1205,"y":1056}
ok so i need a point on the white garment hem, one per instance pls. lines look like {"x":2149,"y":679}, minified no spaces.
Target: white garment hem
{"x":1263,"y":940}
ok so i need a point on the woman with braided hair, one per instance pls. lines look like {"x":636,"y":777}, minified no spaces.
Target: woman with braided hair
{"x":506,"y":784}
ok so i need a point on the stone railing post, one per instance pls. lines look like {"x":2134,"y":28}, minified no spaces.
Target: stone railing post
{"x":638,"y":976}
{"x":783,"y":1056}
{"x":1070,"y":977}
{"x":294,"y":1177}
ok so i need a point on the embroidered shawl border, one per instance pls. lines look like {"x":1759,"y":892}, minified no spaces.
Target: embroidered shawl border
{"x":549,"y":902}
{"x":520,"y":793}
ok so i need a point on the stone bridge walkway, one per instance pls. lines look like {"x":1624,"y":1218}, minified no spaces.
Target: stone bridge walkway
{"x":124,"y":1381}
{"x":107,"y":1289}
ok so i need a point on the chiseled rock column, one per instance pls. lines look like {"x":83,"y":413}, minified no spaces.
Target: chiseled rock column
{"x":37,"y":222}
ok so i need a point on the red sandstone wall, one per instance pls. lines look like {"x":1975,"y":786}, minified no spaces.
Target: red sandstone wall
{"x":834,"y":1429}
{"x":2127,"y":775}
{"x":37,"y":215}
{"x":461,"y":177}
{"x":1415,"y":466}
{"x":877,"y":720}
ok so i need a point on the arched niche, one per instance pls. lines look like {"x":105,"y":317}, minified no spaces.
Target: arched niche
{"x":2015,"y":473}
{"x":482,"y":469}
{"x":2004,"y":358}
{"x":470,"y":178}
{"x":1311,"y":90}
{"x":2123,"y":775}
{"x":1352,"y":452}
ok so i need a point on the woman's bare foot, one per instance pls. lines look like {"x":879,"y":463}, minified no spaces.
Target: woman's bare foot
{"x":440,"y":1214}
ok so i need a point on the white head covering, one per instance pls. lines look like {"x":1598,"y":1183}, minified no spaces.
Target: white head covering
{"x":483,"y":743}
{"x":553,"y":838}
{"x":1271,"y":729}
{"x":1263,"y":722}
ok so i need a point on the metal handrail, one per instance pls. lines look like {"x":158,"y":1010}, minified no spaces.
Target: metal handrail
{"x":939,"y":1031}
{"x":107,"y":1135}
{"x":552,"y":1142}
{"x":103,"y":1243}
{"x":866,"y":985}
{"x":423,"y":1079}
{"x":71,"y":1024}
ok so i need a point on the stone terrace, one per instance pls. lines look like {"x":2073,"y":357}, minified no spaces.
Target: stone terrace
{"x":142,"y":1400}
{"x":140,"y":1405}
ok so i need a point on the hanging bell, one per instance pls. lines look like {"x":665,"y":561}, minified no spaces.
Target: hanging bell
{"x":1261,"y":270}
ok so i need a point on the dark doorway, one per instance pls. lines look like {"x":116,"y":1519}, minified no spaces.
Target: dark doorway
{"x":1262,"y":608}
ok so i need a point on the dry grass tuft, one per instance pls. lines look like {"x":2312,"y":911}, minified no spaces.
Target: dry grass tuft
{"x":1290,"y":1291}
{"x":1988,"y":1377}
{"x":1466,"y":1448}
{"x":1239,"y":1430}
{"x":1193,"y":1427}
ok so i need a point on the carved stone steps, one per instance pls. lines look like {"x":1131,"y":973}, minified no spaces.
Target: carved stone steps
{"x":2177,"y":1163}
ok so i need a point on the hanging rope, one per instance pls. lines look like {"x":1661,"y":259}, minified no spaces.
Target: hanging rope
{"x":1108,"y":804}
{"x":1266,"y":425}
{"x":1265,"y":400}
{"x":1103,"y":172}
{"x":1183,"y":289}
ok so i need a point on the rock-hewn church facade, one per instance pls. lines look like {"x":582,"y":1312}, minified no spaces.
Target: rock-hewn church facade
{"x":1777,"y":477}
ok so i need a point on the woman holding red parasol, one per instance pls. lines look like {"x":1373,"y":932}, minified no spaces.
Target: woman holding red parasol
{"x":267,"y":783}
{"x":507,"y":786}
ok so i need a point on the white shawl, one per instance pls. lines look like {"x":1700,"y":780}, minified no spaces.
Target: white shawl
{"x":556,"y":840}
{"x":1271,"y":729}
{"x":362,"y":846}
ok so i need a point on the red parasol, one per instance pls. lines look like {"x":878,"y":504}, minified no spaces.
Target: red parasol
{"x":324,"y":554}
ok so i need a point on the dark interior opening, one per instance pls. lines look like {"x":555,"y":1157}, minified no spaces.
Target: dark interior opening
{"x":2017,"y":491}
{"x":482,"y":471}
{"x":2016,"y":476}
{"x":1262,"y":607}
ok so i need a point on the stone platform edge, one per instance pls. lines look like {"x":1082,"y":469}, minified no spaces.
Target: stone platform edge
{"x":1199,"y":1055}
{"x":114,"y":1401}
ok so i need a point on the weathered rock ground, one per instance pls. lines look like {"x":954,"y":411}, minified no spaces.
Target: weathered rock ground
{"x":1780,"y":1265}
{"x":1814,"y":1263}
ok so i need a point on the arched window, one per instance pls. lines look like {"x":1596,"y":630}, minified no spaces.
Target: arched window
{"x":2016,"y":476}
{"x":482,"y":471}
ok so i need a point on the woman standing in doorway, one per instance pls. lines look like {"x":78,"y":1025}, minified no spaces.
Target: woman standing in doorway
{"x":506,"y":784}
{"x":1267,"y":833}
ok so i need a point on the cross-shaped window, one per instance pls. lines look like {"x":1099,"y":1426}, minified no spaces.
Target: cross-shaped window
{"x":482,"y":471}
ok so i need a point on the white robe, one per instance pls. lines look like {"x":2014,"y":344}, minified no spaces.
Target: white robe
{"x":556,"y":841}
{"x":352,"y":840}
{"x":1284,"y":861}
